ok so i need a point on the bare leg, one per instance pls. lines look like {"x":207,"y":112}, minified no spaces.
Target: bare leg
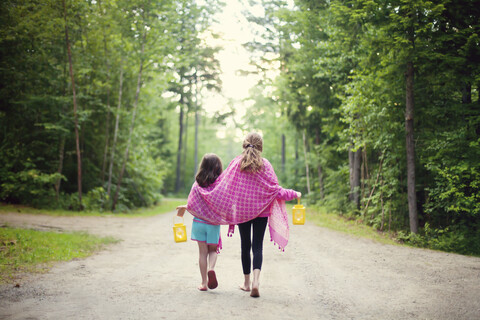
{"x":255,"y":283}
{"x":256,"y":278}
{"x":202,"y":263}
{"x":246,"y":283}
{"x":212,"y":259}
{"x":212,"y":256}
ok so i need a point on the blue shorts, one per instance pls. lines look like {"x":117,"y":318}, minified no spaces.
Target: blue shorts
{"x":204,"y":232}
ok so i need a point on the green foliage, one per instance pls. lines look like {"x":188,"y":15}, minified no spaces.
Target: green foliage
{"x":342,"y":81}
{"x":30,"y":185}
{"x":456,"y":187}
{"x":337,"y":188}
{"x":459,"y":239}
{"x":38,"y":163}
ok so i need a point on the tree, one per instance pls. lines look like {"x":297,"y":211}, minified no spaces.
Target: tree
{"x":75,"y":115}
{"x":143,"y":31}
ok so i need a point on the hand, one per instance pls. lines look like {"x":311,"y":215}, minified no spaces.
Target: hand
{"x":299,"y":194}
{"x":181,"y":210}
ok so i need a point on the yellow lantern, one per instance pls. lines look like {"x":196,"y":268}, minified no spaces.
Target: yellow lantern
{"x":179,"y":231}
{"x":298,"y":213}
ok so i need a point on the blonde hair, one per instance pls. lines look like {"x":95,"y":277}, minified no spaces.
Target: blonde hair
{"x":252,"y":153}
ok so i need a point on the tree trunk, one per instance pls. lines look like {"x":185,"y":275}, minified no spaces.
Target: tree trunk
{"x":362,"y":181}
{"x":107,"y":138}
{"x":179,"y":150}
{"x":381,"y":202}
{"x":467,"y":93}
{"x":115,"y":132}
{"x":389,"y":216}
{"x":61,"y":154}
{"x":320,"y":181}
{"x":61,"y":151}
{"x":185,"y":148}
{"x":365,"y":176}
{"x":356,"y":177}
{"x":412,"y":198}
{"x":355,"y":159}
{"x":197,"y":122}
{"x":351,"y":158}
{"x":107,"y":122}
{"x":132,"y":125}
{"x":306,"y":162}
{"x":296,"y":155}
{"x":319,"y":168}
{"x":75,"y":115}
{"x":283,"y":153}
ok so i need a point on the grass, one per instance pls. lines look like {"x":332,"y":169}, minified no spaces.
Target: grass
{"x":23,"y":250}
{"x":349,"y":226}
{"x":167,"y":205}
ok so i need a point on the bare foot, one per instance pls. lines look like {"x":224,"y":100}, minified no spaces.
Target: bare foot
{"x":244,"y":288}
{"x":255,"y":293}
{"x":212,"y":280}
{"x":202,"y":287}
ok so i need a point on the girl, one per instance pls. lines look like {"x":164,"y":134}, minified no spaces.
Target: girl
{"x":247,"y":189}
{"x":252,"y":163}
{"x":207,"y":235}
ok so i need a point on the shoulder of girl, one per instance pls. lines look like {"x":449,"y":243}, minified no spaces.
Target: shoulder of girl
{"x":267,"y":166}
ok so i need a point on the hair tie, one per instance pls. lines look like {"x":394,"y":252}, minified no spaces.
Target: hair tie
{"x":250,"y":146}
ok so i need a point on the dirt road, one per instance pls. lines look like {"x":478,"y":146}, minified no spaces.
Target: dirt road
{"x":321,"y":275}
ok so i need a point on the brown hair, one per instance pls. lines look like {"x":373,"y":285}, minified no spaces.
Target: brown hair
{"x":210,"y":168}
{"x":252,"y":154}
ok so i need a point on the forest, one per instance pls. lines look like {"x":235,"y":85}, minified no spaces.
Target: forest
{"x":373,"y":112}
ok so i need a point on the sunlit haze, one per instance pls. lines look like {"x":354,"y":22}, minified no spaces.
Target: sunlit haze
{"x":234,"y":30}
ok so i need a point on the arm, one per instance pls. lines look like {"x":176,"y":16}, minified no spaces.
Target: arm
{"x":181,"y":210}
{"x":288,"y":194}
{"x":284,"y":194}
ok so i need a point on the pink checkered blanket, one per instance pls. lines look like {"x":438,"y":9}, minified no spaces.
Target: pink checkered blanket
{"x":239,"y":196}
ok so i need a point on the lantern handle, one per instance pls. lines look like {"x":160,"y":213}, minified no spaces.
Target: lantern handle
{"x":174,"y":219}
{"x":298,"y":200}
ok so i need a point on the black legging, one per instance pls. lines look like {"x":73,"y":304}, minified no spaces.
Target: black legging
{"x":259,"y":226}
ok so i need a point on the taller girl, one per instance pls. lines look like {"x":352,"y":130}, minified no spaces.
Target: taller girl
{"x":253,"y":163}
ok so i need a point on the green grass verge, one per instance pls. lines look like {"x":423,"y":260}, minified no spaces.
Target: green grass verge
{"x":167,"y":205}
{"x":349,"y":226}
{"x":456,"y":242}
{"x":23,"y":250}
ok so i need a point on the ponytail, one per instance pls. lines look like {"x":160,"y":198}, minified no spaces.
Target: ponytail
{"x":252,"y":154}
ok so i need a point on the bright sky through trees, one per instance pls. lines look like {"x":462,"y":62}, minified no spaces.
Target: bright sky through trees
{"x":234,"y":30}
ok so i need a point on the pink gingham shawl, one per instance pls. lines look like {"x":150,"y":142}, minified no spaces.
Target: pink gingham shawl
{"x":239,"y":196}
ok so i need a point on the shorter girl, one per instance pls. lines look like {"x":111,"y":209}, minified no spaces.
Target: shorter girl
{"x":206,"y":235}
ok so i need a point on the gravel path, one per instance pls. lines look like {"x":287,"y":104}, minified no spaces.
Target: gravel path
{"x":321,"y":275}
